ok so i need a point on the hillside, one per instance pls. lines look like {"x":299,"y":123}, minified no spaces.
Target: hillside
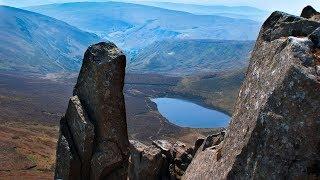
{"x":35,"y":43}
{"x":133,"y":26}
{"x":184,"y":57}
{"x":217,"y":90}
{"x":239,"y":12}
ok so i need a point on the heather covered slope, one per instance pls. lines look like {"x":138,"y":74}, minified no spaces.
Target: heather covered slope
{"x":35,"y":43}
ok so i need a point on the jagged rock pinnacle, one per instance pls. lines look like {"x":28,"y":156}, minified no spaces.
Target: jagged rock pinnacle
{"x":96,"y":117}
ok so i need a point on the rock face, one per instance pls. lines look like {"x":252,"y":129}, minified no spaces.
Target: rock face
{"x":93,"y":133}
{"x":275,"y":128}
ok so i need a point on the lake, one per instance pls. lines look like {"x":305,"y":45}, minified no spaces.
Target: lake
{"x":187,"y":114}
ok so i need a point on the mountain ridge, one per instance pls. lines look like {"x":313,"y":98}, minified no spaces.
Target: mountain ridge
{"x":37,"y":43}
{"x":133,"y":26}
{"x":239,"y":12}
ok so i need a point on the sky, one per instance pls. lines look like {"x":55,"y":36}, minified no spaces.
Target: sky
{"x":290,"y":6}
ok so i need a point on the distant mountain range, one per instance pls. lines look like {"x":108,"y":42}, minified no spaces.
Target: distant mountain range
{"x":134,"y":26}
{"x":185,"y":57}
{"x":239,"y":12}
{"x":34,"y":43}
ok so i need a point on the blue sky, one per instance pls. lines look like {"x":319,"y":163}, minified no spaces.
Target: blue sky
{"x":291,"y":6}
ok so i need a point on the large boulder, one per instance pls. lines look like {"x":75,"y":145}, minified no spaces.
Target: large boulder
{"x":146,"y":162}
{"x":94,"y":128}
{"x":275,"y":129}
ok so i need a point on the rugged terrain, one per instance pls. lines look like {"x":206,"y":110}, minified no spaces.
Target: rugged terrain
{"x":274,"y":131}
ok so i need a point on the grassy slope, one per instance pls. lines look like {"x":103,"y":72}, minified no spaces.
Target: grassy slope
{"x":183,"y":57}
{"x":218,"y":90}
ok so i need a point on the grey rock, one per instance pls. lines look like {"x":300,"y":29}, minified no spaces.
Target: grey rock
{"x":93,"y":141}
{"x":275,"y":129}
{"x":164,"y":145}
{"x":198,"y":144}
{"x":182,"y":156}
{"x":100,"y":90}
{"x":146,"y":162}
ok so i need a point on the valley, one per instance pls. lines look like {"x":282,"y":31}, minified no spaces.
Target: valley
{"x":32,"y":106}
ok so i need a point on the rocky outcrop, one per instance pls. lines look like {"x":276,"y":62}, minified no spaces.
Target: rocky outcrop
{"x":93,"y":141}
{"x":162,"y":160}
{"x":275,"y":129}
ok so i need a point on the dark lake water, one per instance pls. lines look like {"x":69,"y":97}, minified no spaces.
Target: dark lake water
{"x":187,"y":114}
